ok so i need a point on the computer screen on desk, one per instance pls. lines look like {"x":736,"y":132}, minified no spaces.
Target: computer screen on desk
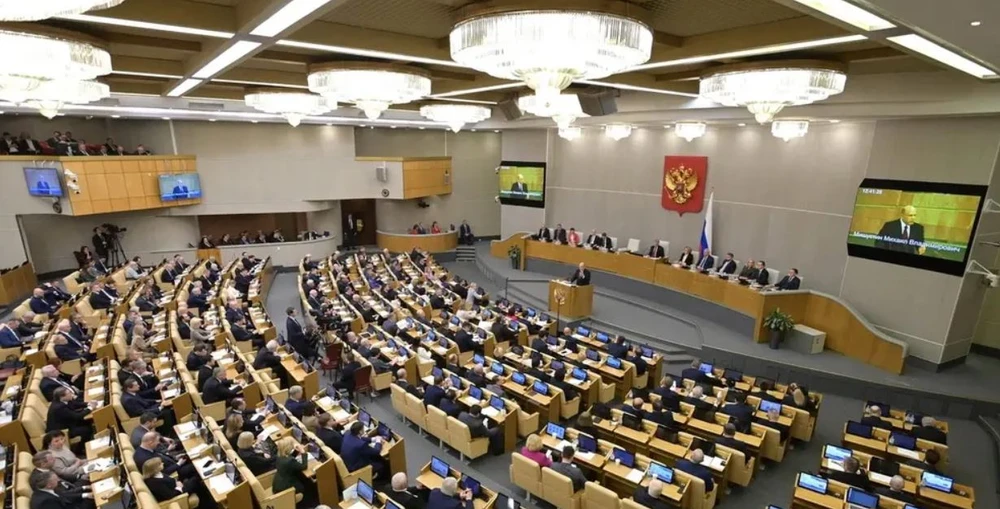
{"x":631,"y":421}
{"x":902,"y":440}
{"x":496,"y":367}
{"x":365,"y":492}
{"x":833,"y":452}
{"x":475,"y":392}
{"x":812,"y":483}
{"x":858,"y":429}
{"x":439,"y":467}
{"x":555,"y":430}
{"x":661,"y":472}
{"x":767,"y":406}
{"x":586,"y":443}
{"x":614,"y":362}
{"x":624,"y":457}
{"x":603,"y":337}
{"x":705,"y":368}
{"x":583,"y":331}
{"x":860,"y":498}
{"x":519,"y":378}
{"x":937,"y":481}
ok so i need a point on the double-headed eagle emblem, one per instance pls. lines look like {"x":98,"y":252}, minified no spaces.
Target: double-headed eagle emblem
{"x":680,"y":183}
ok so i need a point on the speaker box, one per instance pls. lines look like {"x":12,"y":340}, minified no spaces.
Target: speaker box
{"x":381,"y":174}
{"x":509,"y":108}
{"x":598,"y":104}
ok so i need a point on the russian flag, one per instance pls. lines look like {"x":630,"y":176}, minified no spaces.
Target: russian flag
{"x":706,"y":228}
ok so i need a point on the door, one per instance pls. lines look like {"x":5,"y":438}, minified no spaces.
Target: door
{"x":358,"y":218}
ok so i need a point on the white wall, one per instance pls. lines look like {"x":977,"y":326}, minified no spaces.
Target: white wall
{"x":528,"y":145}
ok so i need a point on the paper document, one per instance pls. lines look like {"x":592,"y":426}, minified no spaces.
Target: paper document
{"x":340,"y":414}
{"x":5,"y":418}
{"x":469,"y":400}
{"x":575,"y":381}
{"x":186,"y":427}
{"x":490,"y":412}
{"x":907,"y":453}
{"x":325,"y":402}
{"x":220,"y":484}
{"x":170,"y":393}
{"x":197,"y":450}
{"x":635,"y":476}
{"x":100,"y":442}
{"x":96,"y":391}
{"x":877,"y":477}
{"x":586,"y":456}
{"x":104,"y":485}
{"x":836,"y":465}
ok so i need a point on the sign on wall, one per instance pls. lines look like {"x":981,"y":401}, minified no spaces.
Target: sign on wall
{"x":683,"y":184}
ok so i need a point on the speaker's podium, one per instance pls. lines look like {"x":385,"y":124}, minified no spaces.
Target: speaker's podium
{"x":570,"y":301}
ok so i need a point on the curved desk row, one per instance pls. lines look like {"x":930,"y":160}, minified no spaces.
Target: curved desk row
{"x":404,"y":242}
{"x":847,"y":332}
{"x":283,"y":254}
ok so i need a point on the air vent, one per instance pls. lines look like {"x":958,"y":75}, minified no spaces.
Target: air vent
{"x":204,"y":106}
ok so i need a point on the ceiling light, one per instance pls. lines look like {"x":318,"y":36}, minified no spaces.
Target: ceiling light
{"x":116,"y":116}
{"x":371,"y":87}
{"x":329,"y":124}
{"x":292,"y":106}
{"x":213,"y":119}
{"x":455,"y":115}
{"x":495,"y":130}
{"x":834,"y":121}
{"x":765,"y":88}
{"x":549,"y":49}
{"x":253,"y":121}
{"x":667,"y":126}
{"x":288,"y":15}
{"x":476,"y":90}
{"x":422,"y":128}
{"x":941,"y":54}
{"x":623,"y":86}
{"x":226,"y":58}
{"x":50,"y":96}
{"x":183,"y":87}
{"x":976,"y":23}
{"x":563,"y":108}
{"x":159,"y":27}
{"x":741,"y":124}
{"x":789,"y":129}
{"x":261,"y":84}
{"x":368,"y":53}
{"x":23,"y":10}
{"x":570,"y":133}
{"x":690,"y":130}
{"x":763,"y":50}
{"x":165,"y":118}
{"x":392,"y":126}
{"x":467,"y":101}
{"x":617,"y":131}
{"x":848,"y":13}
{"x":147,"y":74}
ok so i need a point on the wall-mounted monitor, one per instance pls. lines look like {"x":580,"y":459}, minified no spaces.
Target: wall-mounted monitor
{"x":180,"y":186}
{"x":926,"y":225}
{"x":521,"y":183}
{"x":43,"y":182}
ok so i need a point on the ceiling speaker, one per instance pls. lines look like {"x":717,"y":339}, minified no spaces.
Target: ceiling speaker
{"x":599,"y":103}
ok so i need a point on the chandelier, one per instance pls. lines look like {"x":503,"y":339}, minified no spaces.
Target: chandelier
{"x":293,"y":106}
{"x":690,"y":130}
{"x":26,"y":10}
{"x":617,"y":131}
{"x":372,"y":87}
{"x":45,"y":68}
{"x":563,"y":108}
{"x":455,"y":115}
{"x":789,"y":129}
{"x":570,"y":133}
{"x":766,"y":88}
{"x":547,"y":48}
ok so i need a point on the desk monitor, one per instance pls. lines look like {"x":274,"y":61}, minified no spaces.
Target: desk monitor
{"x":624,"y":457}
{"x":402,"y":352}
{"x":603,"y":337}
{"x":902,"y":440}
{"x":392,"y":344}
{"x":439,"y":467}
{"x":546,"y":317}
{"x":436,"y":372}
{"x":647,"y":352}
{"x":583,"y":331}
{"x":505,"y":502}
{"x":631,"y":421}
{"x":859,"y":429}
{"x":832,"y":452}
{"x":366,"y":492}
{"x":761,"y":381}
{"x":389,"y":504}
{"x":614,"y":362}
{"x":661,"y":472}
{"x":519,"y":378}
{"x":481,"y":333}
{"x":812,"y":483}
{"x":475,"y":392}
{"x":732,"y":374}
{"x":431,"y":336}
{"x":270,"y":405}
{"x":552,"y":340}
{"x":555,"y":430}
{"x":496,"y":367}
{"x":937,"y":481}
{"x":705,"y":368}
{"x":882,"y":407}
{"x":470,"y":484}
{"x":540,"y":387}
{"x":557,"y":365}
{"x":345,"y":404}
{"x":767,"y":406}
{"x":364,"y":417}
{"x":515,"y":325}
{"x":860,"y":498}
{"x":665,"y":433}
{"x":579,"y":374}
{"x":478,"y":359}
{"x":496,"y":402}
{"x":586,"y":443}
{"x":592,"y":354}
{"x":456,"y":381}
{"x":443,"y":342}
{"x":455,"y":320}
{"x":181,"y":186}
{"x":384,"y":431}
{"x":531,"y":312}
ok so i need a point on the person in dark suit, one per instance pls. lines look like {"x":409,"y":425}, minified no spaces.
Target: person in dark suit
{"x":686,"y":258}
{"x":635,"y":408}
{"x":291,"y":463}
{"x":660,"y":415}
{"x":43,"y":491}
{"x":895,"y":491}
{"x":741,"y":412}
{"x":357,"y":452}
{"x":349,"y":367}
{"x":38,"y":304}
{"x":448,"y":496}
{"x":852,"y":475}
{"x":520,"y":188}
{"x":328,"y":432}
{"x":219,"y":388}
{"x":465,"y":233}
{"x":198,"y":357}
{"x":749,"y":270}
{"x":728,"y":265}
{"x":559,"y":234}
{"x":258,"y":462}
{"x":266,"y":358}
{"x":463,"y":338}
{"x":566,"y":467}
{"x":448,"y":405}
{"x":668,"y":398}
{"x":694,"y":467}
{"x":403,"y":495}
{"x":791,"y":281}
{"x":197,"y":300}
{"x":134,"y":404}
{"x":437,"y":300}
{"x":53,"y":379}
{"x":763,"y":276}
{"x":604,"y":242}
{"x":693,"y":373}
{"x":650,"y":495}
{"x":162,"y":487}
{"x":729,"y":440}
{"x":655,"y":250}
{"x":581,"y":276}
{"x":707,"y":261}
{"x":296,"y":335}
{"x":180,"y":190}
{"x":473,"y":418}
{"x":434,"y":392}
{"x":873,"y":418}
{"x":697,"y":398}
{"x":63,"y":414}
{"x":544,"y":234}
{"x":903,"y":235}
{"x":618,"y":348}
{"x":928,"y":431}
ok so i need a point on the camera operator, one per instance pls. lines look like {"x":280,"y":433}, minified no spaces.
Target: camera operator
{"x":102,"y":242}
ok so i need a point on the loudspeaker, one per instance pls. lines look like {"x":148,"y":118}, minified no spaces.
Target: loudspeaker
{"x":509,"y":108}
{"x":381,"y":174}
{"x":601,"y":103}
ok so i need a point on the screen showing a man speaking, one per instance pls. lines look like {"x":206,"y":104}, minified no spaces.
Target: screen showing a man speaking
{"x":521,"y":183}
{"x":918,"y":224}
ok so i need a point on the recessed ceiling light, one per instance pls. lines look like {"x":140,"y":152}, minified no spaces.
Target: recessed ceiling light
{"x":147,"y":74}
{"x":87,"y":18}
{"x":329,"y":123}
{"x":165,"y":118}
{"x":976,"y":23}
{"x":369,"y":53}
{"x":116,"y":116}
{"x":741,"y":124}
{"x":422,"y":128}
{"x":668,"y":126}
{"x":392,"y":126}
{"x":226,"y":58}
{"x":634,"y":88}
{"x":476,"y":90}
{"x":212,"y":119}
{"x":849,"y":13}
{"x":261,"y":83}
{"x":254,"y":121}
{"x":834,"y":121}
{"x":763,"y":50}
{"x":496,"y":130}
{"x":473,"y":130}
{"x":183,"y":87}
{"x":941,"y":54}
{"x":287,"y":16}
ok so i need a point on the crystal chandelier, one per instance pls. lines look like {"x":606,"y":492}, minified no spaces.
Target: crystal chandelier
{"x":548,"y":49}
{"x":46,"y":68}
{"x":617,"y":131}
{"x":789,"y":129}
{"x":26,"y":10}
{"x":293,"y":106}
{"x":690,"y":130}
{"x":563,"y":108}
{"x":455,"y":115}
{"x":371,"y":87}
{"x":766,"y":88}
{"x":570,"y":133}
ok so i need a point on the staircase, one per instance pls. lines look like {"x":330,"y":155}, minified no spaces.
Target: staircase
{"x":465,"y":253}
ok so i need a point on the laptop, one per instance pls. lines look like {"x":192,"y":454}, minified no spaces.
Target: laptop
{"x":384,"y":431}
{"x":579,"y":374}
{"x":475,"y":392}
{"x":519,"y":378}
{"x":496,"y":368}
{"x":556,"y":430}
{"x":767,"y":406}
{"x":647,"y":352}
{"x":859,"y":429}
{"x":586,"y":443}
{"x":631,"y":421}
{"x":552,"y":340}
{"x":705,"y":368}
{"x":478,"y":359}
{"x":937,"y":482}
{"x":496,"y":402}
{"x":603,"y":337}
{"x":732,"y":374}
{"x":623,"y":457}
{"x":813,"y":483}
{"x":471,"y":484}
{"x":592,"y":355}
{"x":439,"y":467}
{"x":836,"y":456}
{"x":583,"y":331}
{"x":436,"y":372}
{"x":614,"y":362}
{"x":661,"y":472}
{"x":540,"y":387}
{"x":456,"y":382}
{"x":557,"y":365}
{"x":903,"y":441}
{"x":859,"y":499}
{"x":366,"y":492}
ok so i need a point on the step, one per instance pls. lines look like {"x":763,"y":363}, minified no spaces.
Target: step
{"x":656,"y":343}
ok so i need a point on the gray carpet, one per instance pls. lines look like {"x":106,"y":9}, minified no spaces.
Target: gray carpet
{"x":972,"y":463}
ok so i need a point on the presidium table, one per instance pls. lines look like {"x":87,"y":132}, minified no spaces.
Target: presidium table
{"x":847,"y":332}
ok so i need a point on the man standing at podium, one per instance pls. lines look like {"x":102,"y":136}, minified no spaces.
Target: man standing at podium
{"x":581,"y":276}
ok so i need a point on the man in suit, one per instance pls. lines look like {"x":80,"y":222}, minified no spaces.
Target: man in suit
{"x":873,"y":418}
{"x":693,"y":373}
{"x":591,"y":239}
{"x":635,"y":408}
{"x":196,"y":299}
{"x":180,"y":190}
{"x":566,"y":467}
{"x":650,"y":495}
{"x":763,"y":276}
{"x":581,"y":277}
{"x":9,"y":337}
{"x":694,"y":467}
{"x":929,"y":431}
{"x":604,"y":242}
{"x":357,"y":453}
{"x":697,"y":399}
{"x":707,"y":261}
{"x":729,"y":440}
{"x":38,"y":303}
{"x":134,"y":404}
{"x":904,"y":235}
{"x":55,"y":140}
{"x":219,"y":388}
{"x":519,"y":189}
{"x":660,"y":415}
{"x":544,"y":234}
{"x":43,"y":491}
{"x":741,"y":412}
{"x":149,"y":448}
{"x":63,"y":414}
{"x":328,"y":432}
{"x":434,"y":392}
{"x":448,"y":496}
{"x":52,"y":379}
{"x":266,"y":358}
{"x":655,"y":250}
{"x":728,"y":265}
{"x":559,"y":235}
{"x":463,"y":338}
{"x":668,"y":398}
{"x":618,"y":348}
{"x":852,"y":475}
{"x":895,"y":491}
{"x":28,"y":146}
{"x":295,"y":404}
{"x":296,"y":335}
{"x":465,"y":233}
{"x":437,"y":300}
{"x":403,"y":495}
{"x":791,"y":280}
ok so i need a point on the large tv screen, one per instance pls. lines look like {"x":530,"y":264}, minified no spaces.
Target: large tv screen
{"x":926,"y":225}
{"x":43,"y":182}
{"x":180,"y":186}
{"x":521,"y":183}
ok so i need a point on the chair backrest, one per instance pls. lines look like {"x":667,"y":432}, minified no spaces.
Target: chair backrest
{"x":633,"y":245}
{"x":596,"y":496}
{"x":556,"y":484}
{"x":666,"y":247}
{"x":363,"y":377}
{"x":614,"y":242}
{"x":458,"y":431}
{"x":524,"y":470}
{"x":773,"y":276}
{"x":628,"y":503}
{"x":436,"y":418}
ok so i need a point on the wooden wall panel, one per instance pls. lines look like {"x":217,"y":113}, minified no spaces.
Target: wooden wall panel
{"x":426,"y":177}
{"x":290,"y":224}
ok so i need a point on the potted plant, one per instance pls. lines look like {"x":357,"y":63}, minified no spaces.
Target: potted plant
{"x":778,"y":323}
{"x":514,"y":253}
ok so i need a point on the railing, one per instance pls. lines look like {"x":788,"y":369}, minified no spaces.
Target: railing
{"x":995,"y":438}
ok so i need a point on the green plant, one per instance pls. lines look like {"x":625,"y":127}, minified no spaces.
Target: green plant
{"x":778,"y":320}
{"x":514,"y":252}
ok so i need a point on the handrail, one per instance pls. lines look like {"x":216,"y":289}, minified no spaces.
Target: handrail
{"x":995,"y":438}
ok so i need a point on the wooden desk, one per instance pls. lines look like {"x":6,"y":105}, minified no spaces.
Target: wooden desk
{"x":570,"y":301}
{"x":404,"y":242}
{"x":432,"y":481}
